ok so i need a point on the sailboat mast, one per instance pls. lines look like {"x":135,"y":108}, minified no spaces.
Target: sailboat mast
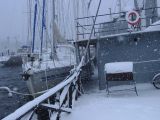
{"x":34,"y":25}
{"x":43,"y":23}
{"x":29,"y":34}
{"x":53,"y":32}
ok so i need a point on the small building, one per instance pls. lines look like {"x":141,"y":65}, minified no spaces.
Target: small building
{"x":140,"y":47}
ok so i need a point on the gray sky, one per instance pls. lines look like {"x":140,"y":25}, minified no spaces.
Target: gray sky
{"x":13,"y":18}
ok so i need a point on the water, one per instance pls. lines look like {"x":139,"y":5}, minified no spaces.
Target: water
{"x":10,"y":77}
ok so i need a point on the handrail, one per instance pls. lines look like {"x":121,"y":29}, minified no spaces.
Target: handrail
{"x":101,"y":28}
{"x":97,"y":24}
{"x":105,"y":31}
{"x":22,"y":111}
{"x":101,"y":15}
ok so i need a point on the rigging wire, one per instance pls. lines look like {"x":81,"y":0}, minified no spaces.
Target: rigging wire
{"x":94,"y":21}
{"x":89,"y":4}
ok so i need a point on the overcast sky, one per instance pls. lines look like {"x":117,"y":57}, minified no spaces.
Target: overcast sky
{"x":13,"y":17}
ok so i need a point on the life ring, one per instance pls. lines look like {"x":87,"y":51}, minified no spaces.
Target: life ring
{"x":136,"y":20}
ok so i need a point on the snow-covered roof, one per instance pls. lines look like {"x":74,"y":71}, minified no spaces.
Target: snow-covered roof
{"x":153,"y":27}
{"x":119,"y":67}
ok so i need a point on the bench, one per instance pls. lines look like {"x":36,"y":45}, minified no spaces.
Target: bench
{"x":118,"y":72}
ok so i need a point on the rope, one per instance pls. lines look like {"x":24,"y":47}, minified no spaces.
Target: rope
{"x":19,"y":93}
{"x":94,"y":21}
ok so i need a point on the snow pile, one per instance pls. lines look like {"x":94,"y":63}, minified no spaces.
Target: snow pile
{"x":119,"y":67}
{"x":154,"y":27}
{"x":124,"y":106}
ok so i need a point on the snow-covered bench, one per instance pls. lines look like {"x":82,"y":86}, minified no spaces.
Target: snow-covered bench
{"x":119,"y":71}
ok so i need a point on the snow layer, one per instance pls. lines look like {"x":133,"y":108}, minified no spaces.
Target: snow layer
{"x":65,"y":57}
{"x":119,"y":67}
{"x":119,"y":106}
{"x":154,"y":27}
{"x":4,"y":58}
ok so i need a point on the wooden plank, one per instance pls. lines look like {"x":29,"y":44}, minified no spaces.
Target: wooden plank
{"x":29,"y":116}
{"x":74,"y":96}
{"x":63,"y":94}
{"x":56,"y":108}
{"x":119,"y":76}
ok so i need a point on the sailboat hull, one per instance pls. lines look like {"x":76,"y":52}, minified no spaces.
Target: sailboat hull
{"x":43,"y":80}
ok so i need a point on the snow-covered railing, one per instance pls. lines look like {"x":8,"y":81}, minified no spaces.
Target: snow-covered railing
{"x":57,"y":100}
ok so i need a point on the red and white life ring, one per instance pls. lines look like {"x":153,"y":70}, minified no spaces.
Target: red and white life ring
{"x":137,"y":19}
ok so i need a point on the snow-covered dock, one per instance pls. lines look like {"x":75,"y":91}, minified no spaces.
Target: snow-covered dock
{"x":96,"y":105}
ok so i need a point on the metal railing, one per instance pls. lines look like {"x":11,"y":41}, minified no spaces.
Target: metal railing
{"x":56,"y":100}
{"x":115,"y":25}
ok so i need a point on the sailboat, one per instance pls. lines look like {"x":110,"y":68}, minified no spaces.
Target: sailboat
{"x":48,"y":66}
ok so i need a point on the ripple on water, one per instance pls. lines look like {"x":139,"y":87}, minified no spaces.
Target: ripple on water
{"x":10,"y":77}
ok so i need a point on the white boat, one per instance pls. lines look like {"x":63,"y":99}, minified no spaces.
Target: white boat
{"x":44,"y":74}
{"x":45,"y":67}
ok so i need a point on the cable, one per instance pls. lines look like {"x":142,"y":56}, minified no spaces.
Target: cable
{"x":24,"y":94}
{"x":85,"y":53}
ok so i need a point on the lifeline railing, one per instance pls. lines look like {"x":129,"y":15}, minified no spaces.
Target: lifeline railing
{"x":59,"y":98}
{"x":115,"y":25}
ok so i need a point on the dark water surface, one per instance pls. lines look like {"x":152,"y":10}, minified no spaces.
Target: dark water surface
{"x":10,"y":77}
